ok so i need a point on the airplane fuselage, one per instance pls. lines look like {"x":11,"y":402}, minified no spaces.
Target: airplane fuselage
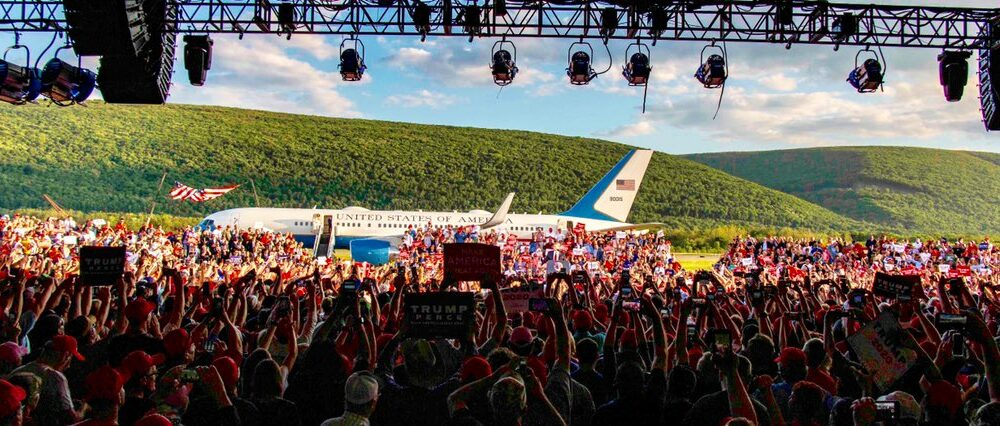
{"x":358,"y":223}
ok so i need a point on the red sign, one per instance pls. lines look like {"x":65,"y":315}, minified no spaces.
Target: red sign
{"x":580,"y":227}
{"x":472,"y":261}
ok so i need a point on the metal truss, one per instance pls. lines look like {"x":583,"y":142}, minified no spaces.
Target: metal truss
{"x":767,"y":21}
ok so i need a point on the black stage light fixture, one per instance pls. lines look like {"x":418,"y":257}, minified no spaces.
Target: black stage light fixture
{"x":609,"y":22}
{"x":499,"y":7}
{"x":785,"y":13}
{"x":19,"y":84}
{"x":659,"y":20}
{"x":197,"y":57}
{"x":473,"y":20}
{"x":421,"y":16}
{"x":844,"y":26}
{"x":504,"y":65}
{"x":66,"y":84}
{"x":953,"y":70}
{"x":286,"y":17}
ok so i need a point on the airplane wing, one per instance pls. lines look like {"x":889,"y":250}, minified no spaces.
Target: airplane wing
{"x":501,"y":215}
{"x":651,"y":226}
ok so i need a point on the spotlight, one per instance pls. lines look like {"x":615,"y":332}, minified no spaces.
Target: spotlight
{"x":867,"y":76}
{"x":352,"y":60}
{"x":504,"y":66}
{"x":18,"y":84}
{"x":637,"y":69}
{"x":67,"y":84}
{"x":609,"y":22}
{"x":844,"y":26}
{"x":713,"y":71}
{"x":286,"y":17}
{"x":197,"y":57}
{"x":658,"y":23}
{"x":579,"y":70}
{"x":954,"y":73}
{"x":422,"y":19}
{"x":785,"y":13}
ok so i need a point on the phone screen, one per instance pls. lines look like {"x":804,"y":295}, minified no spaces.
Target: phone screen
{"x":538,"y":305}
{"x":886,"y":411}
{"x":722,"y":341}
{"x":630,"y":306}
{"x":947,"y":322}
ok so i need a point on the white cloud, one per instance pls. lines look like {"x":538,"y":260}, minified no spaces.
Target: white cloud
{"x":258,"y":73}
{"x":639,"y":128}
{"x":423,"y":98}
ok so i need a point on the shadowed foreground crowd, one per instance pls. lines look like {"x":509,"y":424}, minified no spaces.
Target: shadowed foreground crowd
{"x":243,"y":327}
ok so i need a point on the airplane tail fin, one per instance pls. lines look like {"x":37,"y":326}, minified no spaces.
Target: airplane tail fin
{"x":501,"y":215}
{"x":612,"y":197}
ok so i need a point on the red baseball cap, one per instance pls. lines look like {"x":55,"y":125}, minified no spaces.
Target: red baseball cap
{"x":790,"y":355}
{"x":137,"y":362}
{"x":228,"y":370}
{"x":138,"y":310}
{"x":10,"y":398}
{"x":475,"y":368}
{"x":520,"y":336}
{"x":177,"y":342}
{"x":154,"y":420}
{"x":12,"y":353}
{"x":104,"y":384}
{"x":64,"y":343}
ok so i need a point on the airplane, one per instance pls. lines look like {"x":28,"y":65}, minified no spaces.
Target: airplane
{"x":605,"y":207}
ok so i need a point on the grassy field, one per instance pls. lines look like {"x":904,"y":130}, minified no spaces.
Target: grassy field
{"x":697,"y":261}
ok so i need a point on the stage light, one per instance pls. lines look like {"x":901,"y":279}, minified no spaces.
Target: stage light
{"x":637,"y":69}
{"x":659,"y":20}
{"x":499,"y":7}
{"x":422,"y":19}
{"x":714,"y":70}
{"x":844,"y":26}
{"x":504,"y":66}
{"x":286,"y":17}
{"x":473,"y":16}
{"x":867,"y":76}
{"x":609,"y":22}
{"x":66,"y":84}
{"x":18,"y":84}
{"x":953,"y":70}
{"x":352,"y":59}
{"x":197,"y":57}
{"x":579,"y":70}
{"x":785,"y":13}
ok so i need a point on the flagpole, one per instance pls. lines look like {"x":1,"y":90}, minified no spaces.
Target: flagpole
{"x":153,"y":203}
{"x":255,"y":199}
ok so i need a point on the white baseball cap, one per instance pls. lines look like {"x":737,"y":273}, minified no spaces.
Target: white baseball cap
{"x":361,"y":388}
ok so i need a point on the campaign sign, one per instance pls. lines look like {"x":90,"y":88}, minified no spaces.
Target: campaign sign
{"x":895,"y":286}
{"x":446,"y":315}
{"x":515,"y":299}
{"x":472,"y":261}
{"x":101,"y":265}
{"x":880,"y":348}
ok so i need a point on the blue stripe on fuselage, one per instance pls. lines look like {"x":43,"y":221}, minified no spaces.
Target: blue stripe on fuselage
{"x":309,"y":241}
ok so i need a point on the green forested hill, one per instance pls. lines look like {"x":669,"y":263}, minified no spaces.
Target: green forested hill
{"x":110,"y":158}
{"x":918,"y":189}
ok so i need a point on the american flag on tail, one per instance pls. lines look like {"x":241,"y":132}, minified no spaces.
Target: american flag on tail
{"x":184,"y":192}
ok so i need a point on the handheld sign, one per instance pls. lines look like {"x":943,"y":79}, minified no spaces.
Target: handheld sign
{"x":471,"y":261}
{"x":895,"y":286}
{"x":446,"y":315}
{"x":101,"y":265}
{"x":516,"y":299}
{"x":880,"y":347}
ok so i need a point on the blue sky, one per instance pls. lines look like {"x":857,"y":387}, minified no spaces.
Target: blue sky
{"x":775,"y":98}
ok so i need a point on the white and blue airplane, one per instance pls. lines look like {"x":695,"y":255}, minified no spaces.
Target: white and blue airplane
{"x":605,"y":207}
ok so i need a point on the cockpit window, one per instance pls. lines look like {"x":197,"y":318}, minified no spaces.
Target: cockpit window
{"x":207,"y":224}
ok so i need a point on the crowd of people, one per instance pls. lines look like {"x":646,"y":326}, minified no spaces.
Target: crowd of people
{"x":245,"y":327}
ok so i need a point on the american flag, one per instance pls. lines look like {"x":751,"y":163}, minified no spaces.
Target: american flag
{"x":184,"y":192}
{"x":625,"y":184}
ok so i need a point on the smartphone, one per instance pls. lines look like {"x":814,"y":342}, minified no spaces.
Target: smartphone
{"x":664,"y":313}
{"x":626,"y":292}
{"x":949,"y":322}
{"x":282,"y":308}
{"x":189,"y":376}
{"x":216,"y":307}
{"x":209,"y":345}
{"x":698,"y":301}
{"x":579,"y":277}
{"x":723,"y":341}
{"x":770,"y":291}
{"x":349,"y":286}
{"x":720,"y":290}
{"x":692,"y":332}
{"x":857,"y":300}
{"x":756,"y":296}
{"x":955,"y":285}
{"x":958,"y":345}
{"x":886,"y":411}
{"x":626,"y":277}
{"x":630,"y":306}
{"x":537,"y":304}
{"x":710,"y":297}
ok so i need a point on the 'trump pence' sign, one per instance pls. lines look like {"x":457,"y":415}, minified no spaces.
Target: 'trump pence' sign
{"x":470,"y":262}
{"x":447,"y":315}
{"x":101,"y":265}
{"x":895,"y":286}
{"x":881,"y":350}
